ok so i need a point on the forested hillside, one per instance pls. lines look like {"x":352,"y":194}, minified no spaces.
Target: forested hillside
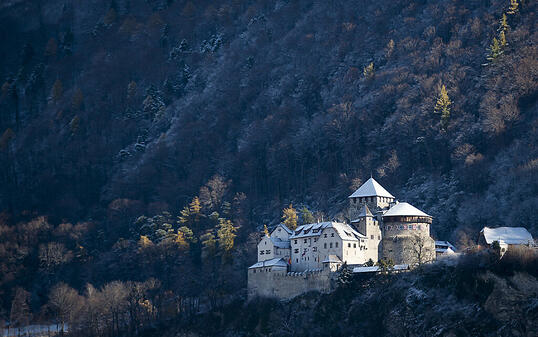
{"x":149,"y":141}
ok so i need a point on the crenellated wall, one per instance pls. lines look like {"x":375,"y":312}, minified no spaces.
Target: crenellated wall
{"x":286,"y":285}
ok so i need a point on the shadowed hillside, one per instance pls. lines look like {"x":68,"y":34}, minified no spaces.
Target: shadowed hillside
{"x":116,"y":114}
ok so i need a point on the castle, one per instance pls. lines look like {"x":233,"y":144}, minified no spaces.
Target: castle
{"x":291,"y":262}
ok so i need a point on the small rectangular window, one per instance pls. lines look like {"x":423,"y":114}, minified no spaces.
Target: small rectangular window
{"x":349,"y":244}
{"x":336,"y":244}
{"x":331,"y":245}
{"x":325,"y":245}
{"x":354,"y":245}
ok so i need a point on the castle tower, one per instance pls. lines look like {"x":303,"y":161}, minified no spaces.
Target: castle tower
{"x":368,"y":226}
{"x":371,"y":194}
{"x":406,"y":235}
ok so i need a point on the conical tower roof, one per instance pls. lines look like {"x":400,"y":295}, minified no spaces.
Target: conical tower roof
{"x":404,"y":209}
{"x":371,"y":188}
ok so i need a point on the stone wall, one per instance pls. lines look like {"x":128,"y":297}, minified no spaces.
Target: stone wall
{"x":286,"y":285}
{"x":406,"y":249}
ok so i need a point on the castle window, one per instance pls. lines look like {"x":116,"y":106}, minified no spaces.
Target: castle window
{"x":331,"y":245}
{"x":379,"y":237}
{"x":296,"y":251}
{"x":354,"y":200}
{"x":268,"y":252}
{"x":371,"y":237}
{"x":354,"y":245}
{"x":336,"y":244}
{"x":296,"y":260}
{"x":295,"y":241}
{"x":325,"y":245}
{"x":304,"y":240}
{"x":332,"y":235}
{"x":261,"y":252}
{"x":349,"y":245}
{"x":325,"y":235}
{"x":315,"y":249}
{"x":315,"y":239}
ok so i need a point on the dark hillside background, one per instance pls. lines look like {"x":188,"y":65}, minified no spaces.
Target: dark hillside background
{"x":114,"y":109}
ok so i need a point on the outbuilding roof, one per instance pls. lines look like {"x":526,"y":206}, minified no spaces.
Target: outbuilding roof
{"x":374,"y":269}
{"x":404,"y":209}
{"x":510,"y":235}
{"x":276,"y":262}
{"x":371,"y":188}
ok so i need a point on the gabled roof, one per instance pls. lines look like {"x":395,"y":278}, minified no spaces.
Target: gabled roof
{"x":371,"y":188}
{"x":279,"y":243}
{"x":284,"y":227}
{"x":444,"y":245}
{"x":311,"y":230}
{"x":276,"y":262}
{"x":404,"y":209}
{"x":510,"y":235}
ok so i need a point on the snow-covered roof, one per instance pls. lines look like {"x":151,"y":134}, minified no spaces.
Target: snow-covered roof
{"x":332,"y":259}
{"x":311,"y":230}
{"x":510,"y":235}
{"x":279,"y":243}
{"x":404,"y":209}
{"x":444,"y":245}
{"x":371,"y":188}
{"x":445,"y":250}
{"x":374,"y":269}
{"x":284,"y":227}
{"x":276,"y":262}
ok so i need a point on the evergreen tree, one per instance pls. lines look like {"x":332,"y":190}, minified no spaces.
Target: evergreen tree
{"x":51,"y":48}
{"x":226,"y":235}
{"x":385,"y":265}
{"x":495,"y":50}
{"x":57,"y":91}
{"x":345,"y":276}
{"x":514,"y":7}
{"x":289,"y":217}
{"x":389,"y":49}
{"x":503,"y":24}
{"x":307,"y":216}
{"x":502,"y":39}
{"x":78,"y":100}
{"x":442,"y":106}
{"x":209,"y":243}
{"x":368,"y":71}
